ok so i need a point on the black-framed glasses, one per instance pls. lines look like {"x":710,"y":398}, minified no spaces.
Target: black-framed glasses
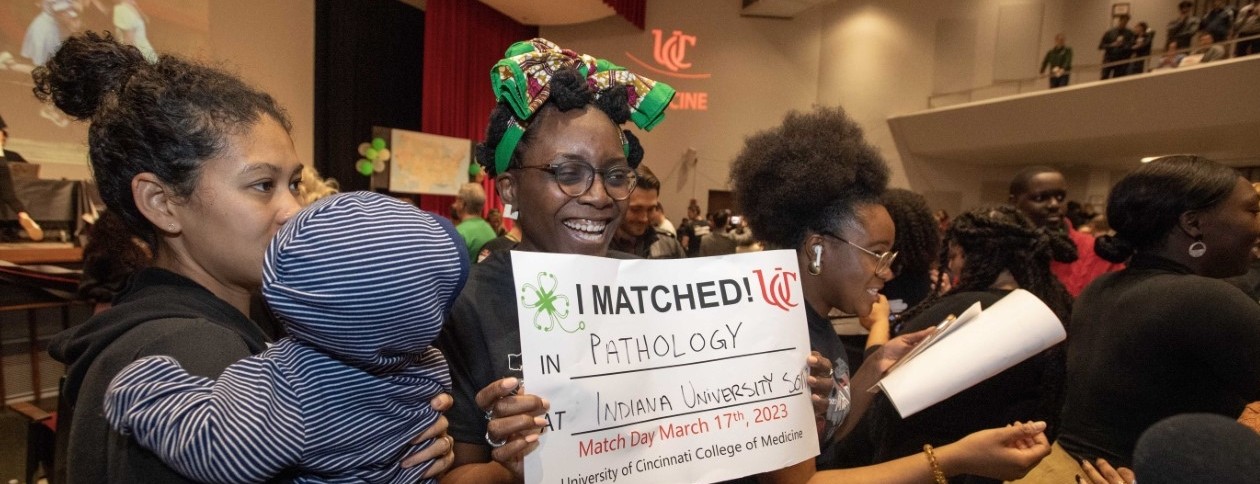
{"x":883,"y":260}
{"x":576,"y":177}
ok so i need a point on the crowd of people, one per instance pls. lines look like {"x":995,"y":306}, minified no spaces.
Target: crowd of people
{"x":175,"y":381}
{"x":1190,"y":40}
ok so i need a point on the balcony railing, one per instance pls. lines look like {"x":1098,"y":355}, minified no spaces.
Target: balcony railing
{"x":1080,"y":74}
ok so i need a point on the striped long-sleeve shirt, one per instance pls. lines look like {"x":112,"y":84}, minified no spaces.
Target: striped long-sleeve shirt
{"x":362,"y":283}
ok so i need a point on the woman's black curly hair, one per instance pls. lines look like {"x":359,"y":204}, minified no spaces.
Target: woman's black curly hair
{"x":1147,"y":204}
{"x":918,"y":238}
{"x":165,"y":118}
{"x":569,"y":90}
{"x":997,"y":239}
{"x":809,"y":174}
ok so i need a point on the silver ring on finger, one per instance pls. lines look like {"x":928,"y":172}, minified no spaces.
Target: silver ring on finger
{"x":831,"y":372}
{"x":493,"y":443}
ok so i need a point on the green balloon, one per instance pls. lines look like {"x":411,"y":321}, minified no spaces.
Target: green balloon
{"x":378,"y":143}
{"x":364,"y":167}
{"x":474,"y":169}
{"x":370,"y":153}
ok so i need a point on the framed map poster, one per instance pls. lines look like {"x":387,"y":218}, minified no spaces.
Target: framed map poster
{"x":427,"y":163}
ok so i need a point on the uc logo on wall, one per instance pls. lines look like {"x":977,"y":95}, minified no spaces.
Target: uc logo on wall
{"x":670,"y":56}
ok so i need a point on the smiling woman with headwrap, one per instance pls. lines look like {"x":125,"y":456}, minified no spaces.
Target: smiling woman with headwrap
{"x":558,"y":154}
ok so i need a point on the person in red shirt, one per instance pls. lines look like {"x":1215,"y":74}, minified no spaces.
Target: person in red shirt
{"x":1040,"y":192}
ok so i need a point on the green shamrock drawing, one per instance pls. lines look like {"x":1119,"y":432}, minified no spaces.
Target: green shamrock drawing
{"x":546,"y":301}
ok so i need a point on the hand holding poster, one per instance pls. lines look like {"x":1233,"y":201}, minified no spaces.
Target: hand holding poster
{"x":665,"y":371}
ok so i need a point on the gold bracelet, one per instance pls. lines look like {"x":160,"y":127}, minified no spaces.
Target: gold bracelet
{"x":936,"y":466}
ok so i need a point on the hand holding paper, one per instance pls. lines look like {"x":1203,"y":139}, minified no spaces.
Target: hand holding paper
{"x":970,"y":349}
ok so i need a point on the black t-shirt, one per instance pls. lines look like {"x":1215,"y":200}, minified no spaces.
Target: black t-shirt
{"x":1153,"y":341}
{"x":481,"y":341}
{"x":693,"y":230}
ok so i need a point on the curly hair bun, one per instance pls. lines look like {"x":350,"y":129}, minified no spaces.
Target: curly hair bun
{"x":1113,"y":249}
{"x":85,"y":68}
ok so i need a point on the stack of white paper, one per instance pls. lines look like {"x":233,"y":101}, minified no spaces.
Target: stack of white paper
{"x":970,"y":349}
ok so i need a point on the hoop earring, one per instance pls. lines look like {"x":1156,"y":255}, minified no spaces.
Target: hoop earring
{"x":1197,"y":249}
{"x":815,"y":266}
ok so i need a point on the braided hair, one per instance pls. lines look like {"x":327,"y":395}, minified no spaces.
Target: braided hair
{"x":998,"y":239}
{"x":1001,"y":239}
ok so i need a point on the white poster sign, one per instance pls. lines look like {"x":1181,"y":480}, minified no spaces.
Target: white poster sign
{"x":665,"y":371}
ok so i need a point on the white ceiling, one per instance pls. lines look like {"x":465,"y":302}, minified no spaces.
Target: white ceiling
{"x":552,"y":12}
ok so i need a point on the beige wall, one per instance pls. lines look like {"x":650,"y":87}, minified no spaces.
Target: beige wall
{"x":761,"y":69}
{"x":272,"y":45}
{"x":875,"y":58}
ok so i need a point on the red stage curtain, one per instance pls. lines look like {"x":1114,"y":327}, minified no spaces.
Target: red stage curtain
{"x":633,"y":10}
{"x":462,"y":40}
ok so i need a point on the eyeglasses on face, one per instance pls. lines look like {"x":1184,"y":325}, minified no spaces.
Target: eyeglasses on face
{"x":883,"y":260}
{"x":575,"y":178}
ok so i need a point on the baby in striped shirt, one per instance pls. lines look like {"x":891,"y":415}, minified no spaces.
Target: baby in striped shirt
{"x":362,"y":283}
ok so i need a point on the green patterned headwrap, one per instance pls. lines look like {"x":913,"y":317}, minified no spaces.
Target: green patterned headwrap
{"x":522,"y":80}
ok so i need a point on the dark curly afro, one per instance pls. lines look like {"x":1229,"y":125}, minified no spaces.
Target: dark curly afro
{"x":808,"y":174}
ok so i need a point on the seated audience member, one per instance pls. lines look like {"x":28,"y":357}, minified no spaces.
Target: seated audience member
{"x":1165,"y":335}
{"x":475,"y":231}
{"x":991,"y":252}
{"x":1205,"y":51}
{"x":724,"y":237}
{"x":636,"y":234}
{"x":1039,"y":193}
{"x":8,"y":194}
{"x":362,"y":283}
{"x":1171,"y":58}
{"x":813,"y":185}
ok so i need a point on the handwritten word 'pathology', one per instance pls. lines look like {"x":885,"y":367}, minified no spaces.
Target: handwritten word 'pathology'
{"x":642,"y":348}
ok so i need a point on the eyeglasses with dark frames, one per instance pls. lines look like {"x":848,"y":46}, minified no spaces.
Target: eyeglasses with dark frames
{"x":575,"y":178}
{"x":883,"y":260}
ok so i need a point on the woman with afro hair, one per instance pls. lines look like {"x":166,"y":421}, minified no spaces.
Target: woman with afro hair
{"x":991,"y":251}
{"x":813,"y":185}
